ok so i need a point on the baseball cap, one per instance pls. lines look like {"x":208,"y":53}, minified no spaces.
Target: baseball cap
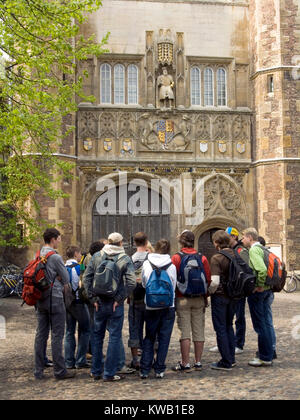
{"x":115,"y":238}
{"x":232,"y":231}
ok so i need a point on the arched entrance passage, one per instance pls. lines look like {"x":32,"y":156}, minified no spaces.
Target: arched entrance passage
{"x":146,"y":211}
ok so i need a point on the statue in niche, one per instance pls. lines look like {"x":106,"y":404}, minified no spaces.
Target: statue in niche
{"x":165,"y":84}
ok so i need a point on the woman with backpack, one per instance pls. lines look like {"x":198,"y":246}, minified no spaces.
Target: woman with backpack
{"x":159,"y":279}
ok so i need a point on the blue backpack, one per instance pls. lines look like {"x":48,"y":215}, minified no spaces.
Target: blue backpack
{"x":159,"y":288}
{"x":70,"y":268}
{"x":192,"y":278}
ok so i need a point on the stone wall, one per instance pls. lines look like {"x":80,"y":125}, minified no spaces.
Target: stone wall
{"x":274,"y":38}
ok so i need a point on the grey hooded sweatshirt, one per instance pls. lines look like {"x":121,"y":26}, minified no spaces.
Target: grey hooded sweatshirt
{"x":55,"y":268}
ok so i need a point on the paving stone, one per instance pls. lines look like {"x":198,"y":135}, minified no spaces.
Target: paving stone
{"x":244,"y":382}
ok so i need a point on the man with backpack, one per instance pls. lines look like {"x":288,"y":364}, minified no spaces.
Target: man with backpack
{"x":77,"y":313}
{"x":260,"y":301}
{"x":109,"y":279}
{"x":159,"y":279}
{"x":50,"y":309}
{"x":137,"y":307}
{"x":240,"y":322}
{"x":193,"y":274}
{"x":222,"y":306}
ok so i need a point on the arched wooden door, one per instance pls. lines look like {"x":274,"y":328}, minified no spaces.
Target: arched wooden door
{"x":155,"y":223}
{"x":205,"y":244}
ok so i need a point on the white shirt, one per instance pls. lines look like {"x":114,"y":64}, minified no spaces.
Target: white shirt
{"x":159,"y":260}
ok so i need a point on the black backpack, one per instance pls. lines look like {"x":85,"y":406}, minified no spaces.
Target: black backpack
{"x":139,"y":292}
{"x":241,"y":280}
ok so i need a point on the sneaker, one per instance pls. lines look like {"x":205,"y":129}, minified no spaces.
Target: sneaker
{"x":87,"y":365}
{"x":198,"y":366}
{"x":220,"y":366}
{"x":214,"y":349}
{"x":238,"y":350}
{"x":126,"y":370}
{"x":113,"y":378}
{"x":134,"y":365}
{"x":143,"y":375}
{"x":67,"y":375}
{"x":48,"y":363}
{"x":159,"y":375}
{"x":233,"y":364}
{"x":95,"y":377}
{"x":274,"y":355}
{"x":257,"y":363}
{"x":180,"y":368}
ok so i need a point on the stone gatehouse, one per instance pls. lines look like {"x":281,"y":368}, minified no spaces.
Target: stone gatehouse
{"x":198,"y":93}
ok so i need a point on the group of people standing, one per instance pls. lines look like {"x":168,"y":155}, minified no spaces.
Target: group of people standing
{"x":183,"y":294}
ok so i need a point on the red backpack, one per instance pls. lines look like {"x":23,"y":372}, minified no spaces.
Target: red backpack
{"x":276,"y":275}
{"x":35,"y":279}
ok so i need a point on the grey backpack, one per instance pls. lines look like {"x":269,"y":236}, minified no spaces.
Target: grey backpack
{"x":107,"y":277}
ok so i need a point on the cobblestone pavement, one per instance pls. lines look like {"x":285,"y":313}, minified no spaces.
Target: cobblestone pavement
{"x":282,"y":381}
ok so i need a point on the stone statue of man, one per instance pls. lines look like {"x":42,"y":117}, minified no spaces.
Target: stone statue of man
{"x":165,"y":85}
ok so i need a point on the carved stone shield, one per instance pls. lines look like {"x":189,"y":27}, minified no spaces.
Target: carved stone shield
{"x":203,"y":146}
{"x":127,"y":146}
{"x":87,"y":144}
{"x":241,"y":147}
{"x":107,"y":145}
{"x":222,"y":146}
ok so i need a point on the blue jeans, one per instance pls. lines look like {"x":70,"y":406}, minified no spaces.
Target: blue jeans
{"x":259,"y":305}
{"x":77,"y":313}
{"x":159,"y":323}
{"x":114,"y":320}
{"x":222,"y":311}
{"x":240,"y":323}
{"x":136,"y":320}
{"x":269,"y":319}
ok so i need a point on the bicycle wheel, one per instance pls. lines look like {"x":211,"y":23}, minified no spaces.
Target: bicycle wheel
{"x":290,"y":285}
{"x":4,"y":290}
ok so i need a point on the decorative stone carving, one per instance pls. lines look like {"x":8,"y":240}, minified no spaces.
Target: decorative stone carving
{"x":165,"y":134}
{"x":126,"y":125}
{"x":223,"y":197}
{"x":202,"y":123}
{"x":108,"y":124}
{"x":165,"y":47}
{"x":240,"y":128}
{"x":220,"y":128}
{"x":88,"y":125}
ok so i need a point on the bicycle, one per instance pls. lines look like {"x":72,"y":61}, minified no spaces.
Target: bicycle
{"x":11,"y":284}
{"x":291,"y":282}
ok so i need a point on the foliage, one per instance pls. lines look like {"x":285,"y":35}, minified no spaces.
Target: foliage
{"x":41,"y":43}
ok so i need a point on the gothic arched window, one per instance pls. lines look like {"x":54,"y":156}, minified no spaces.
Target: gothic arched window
{"x":105,"y":84}
{"x":208,"y":87}
{"x":221,"y":86}
{"x":132,"y":84}
{"x":119,"y":84}
{"x":195,"y":86}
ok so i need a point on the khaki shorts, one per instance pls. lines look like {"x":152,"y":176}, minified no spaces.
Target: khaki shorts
{"x":191,"y":317}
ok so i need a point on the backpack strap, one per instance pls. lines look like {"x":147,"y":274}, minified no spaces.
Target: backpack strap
{"x":226,"y":255}
{"x":165,"y":267}
{"x":73,"y":265}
